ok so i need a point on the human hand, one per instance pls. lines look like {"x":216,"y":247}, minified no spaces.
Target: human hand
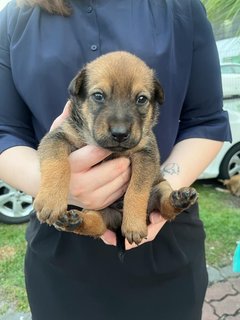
{"x":65,"y":113}
{"x":94,"y":184}
{"x":156,"y":224}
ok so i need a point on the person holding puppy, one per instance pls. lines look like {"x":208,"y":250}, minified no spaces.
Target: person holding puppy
{"x":42,"y":46}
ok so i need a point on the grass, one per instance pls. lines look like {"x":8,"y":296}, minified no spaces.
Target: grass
{"x":12,"y":250}
{"x":219,"y":212}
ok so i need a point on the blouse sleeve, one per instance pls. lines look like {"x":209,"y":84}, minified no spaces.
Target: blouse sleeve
{"x":15,"y":117}
{"x":202,"y":115}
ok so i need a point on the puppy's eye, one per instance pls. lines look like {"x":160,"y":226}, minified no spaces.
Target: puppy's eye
{"x":98,"y":97}
{"x":141,"y":100}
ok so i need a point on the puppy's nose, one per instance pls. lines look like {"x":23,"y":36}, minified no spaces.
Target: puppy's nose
{"x":120,"y":133}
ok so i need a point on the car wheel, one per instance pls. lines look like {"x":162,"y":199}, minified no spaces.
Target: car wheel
{"x":230,"y":165}
{"x":15,"y":206}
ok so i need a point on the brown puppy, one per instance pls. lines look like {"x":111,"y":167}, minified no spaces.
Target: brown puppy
{"x":233,"y":184}
{"x":114,"y":105}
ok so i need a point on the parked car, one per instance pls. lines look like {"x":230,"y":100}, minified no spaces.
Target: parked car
{"x":227,"y":162}
{"x":15,"y":206}
{"x":230,"y":79}
{"x":3,"y":3}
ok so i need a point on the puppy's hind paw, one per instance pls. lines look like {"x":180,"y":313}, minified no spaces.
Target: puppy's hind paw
{"x":184,"y":198}
{"x":69,"y":221}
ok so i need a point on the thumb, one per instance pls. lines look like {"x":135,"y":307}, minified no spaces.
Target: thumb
{"x":59,"y":120}
{"x":155,"y":217}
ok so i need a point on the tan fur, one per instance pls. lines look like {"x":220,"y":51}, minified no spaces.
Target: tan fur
{"x":121,"y":122}
{"x":54,"y":163}
{"x":93,"y":223}
{"x":233,"y":184}
{"x":137,"y":197}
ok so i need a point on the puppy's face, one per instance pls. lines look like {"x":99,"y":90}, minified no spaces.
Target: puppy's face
{"x":116,"y":98}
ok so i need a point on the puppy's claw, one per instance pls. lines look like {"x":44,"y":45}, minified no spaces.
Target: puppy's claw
{"x":48,"y":209}
{"x":43,"y":215}
{"x":135,"y":236}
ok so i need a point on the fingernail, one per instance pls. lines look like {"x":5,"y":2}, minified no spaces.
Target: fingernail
{"x":109,"y":241}
{"x":105,"y":241}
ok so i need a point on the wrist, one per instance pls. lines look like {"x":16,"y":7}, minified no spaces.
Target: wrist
{"x":172,"y":173}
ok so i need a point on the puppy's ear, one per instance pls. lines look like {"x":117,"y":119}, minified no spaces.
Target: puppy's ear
{"x":158,"y":92}
{"x":77,"y":85}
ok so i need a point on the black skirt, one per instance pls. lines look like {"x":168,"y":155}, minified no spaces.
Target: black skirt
{"x":70,"y":277}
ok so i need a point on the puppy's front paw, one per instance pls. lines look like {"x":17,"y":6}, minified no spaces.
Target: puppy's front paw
{"x":134,"y":234}
{"x":184,"y":198}
{"x":69,"y":221}
{"x":48,"y":208}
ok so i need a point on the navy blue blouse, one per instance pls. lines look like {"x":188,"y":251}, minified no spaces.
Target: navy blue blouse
{"x":40,"y":53}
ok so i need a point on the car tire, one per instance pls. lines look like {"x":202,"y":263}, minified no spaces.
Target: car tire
{"x":15,"y":206}
{"x":230,"y":164}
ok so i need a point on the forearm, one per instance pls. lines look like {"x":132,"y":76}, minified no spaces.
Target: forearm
{"x":188,"y":160}
{"x":19,"y":167}
{"x":93,"y":183}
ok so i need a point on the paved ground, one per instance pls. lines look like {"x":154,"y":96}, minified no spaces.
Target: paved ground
{"x":222,"y":299}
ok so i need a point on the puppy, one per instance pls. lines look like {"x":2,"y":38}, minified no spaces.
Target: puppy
{"x":115,"y":106}
{"x":233,"y":184}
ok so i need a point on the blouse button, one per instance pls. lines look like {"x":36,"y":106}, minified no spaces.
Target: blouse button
{"x":89,"y":9}
{"x":94,"y":47}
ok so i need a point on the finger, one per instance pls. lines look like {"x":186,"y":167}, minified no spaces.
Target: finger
{"x":109,"y":237}
{"x":98,"y":200}
{"x":86,"y":157}
{"x":67,"y":109}
{"x":110,"y":176}
{"x":115,"y":196}
{"x":129,"y":246}
{"x":155,"y":217}
{"x":58,"y":121}
{"x":153,"y":230}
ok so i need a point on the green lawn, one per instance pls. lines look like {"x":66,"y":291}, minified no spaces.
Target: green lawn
{"x":12,"y":249}
{"x":219,"y":211}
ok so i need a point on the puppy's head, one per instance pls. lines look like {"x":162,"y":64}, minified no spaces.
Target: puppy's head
{"x":116,"y":98}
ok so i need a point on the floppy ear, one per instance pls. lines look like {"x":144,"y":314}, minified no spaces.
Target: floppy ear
{"x":158,"y":92}
{"x":77,"y":85}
